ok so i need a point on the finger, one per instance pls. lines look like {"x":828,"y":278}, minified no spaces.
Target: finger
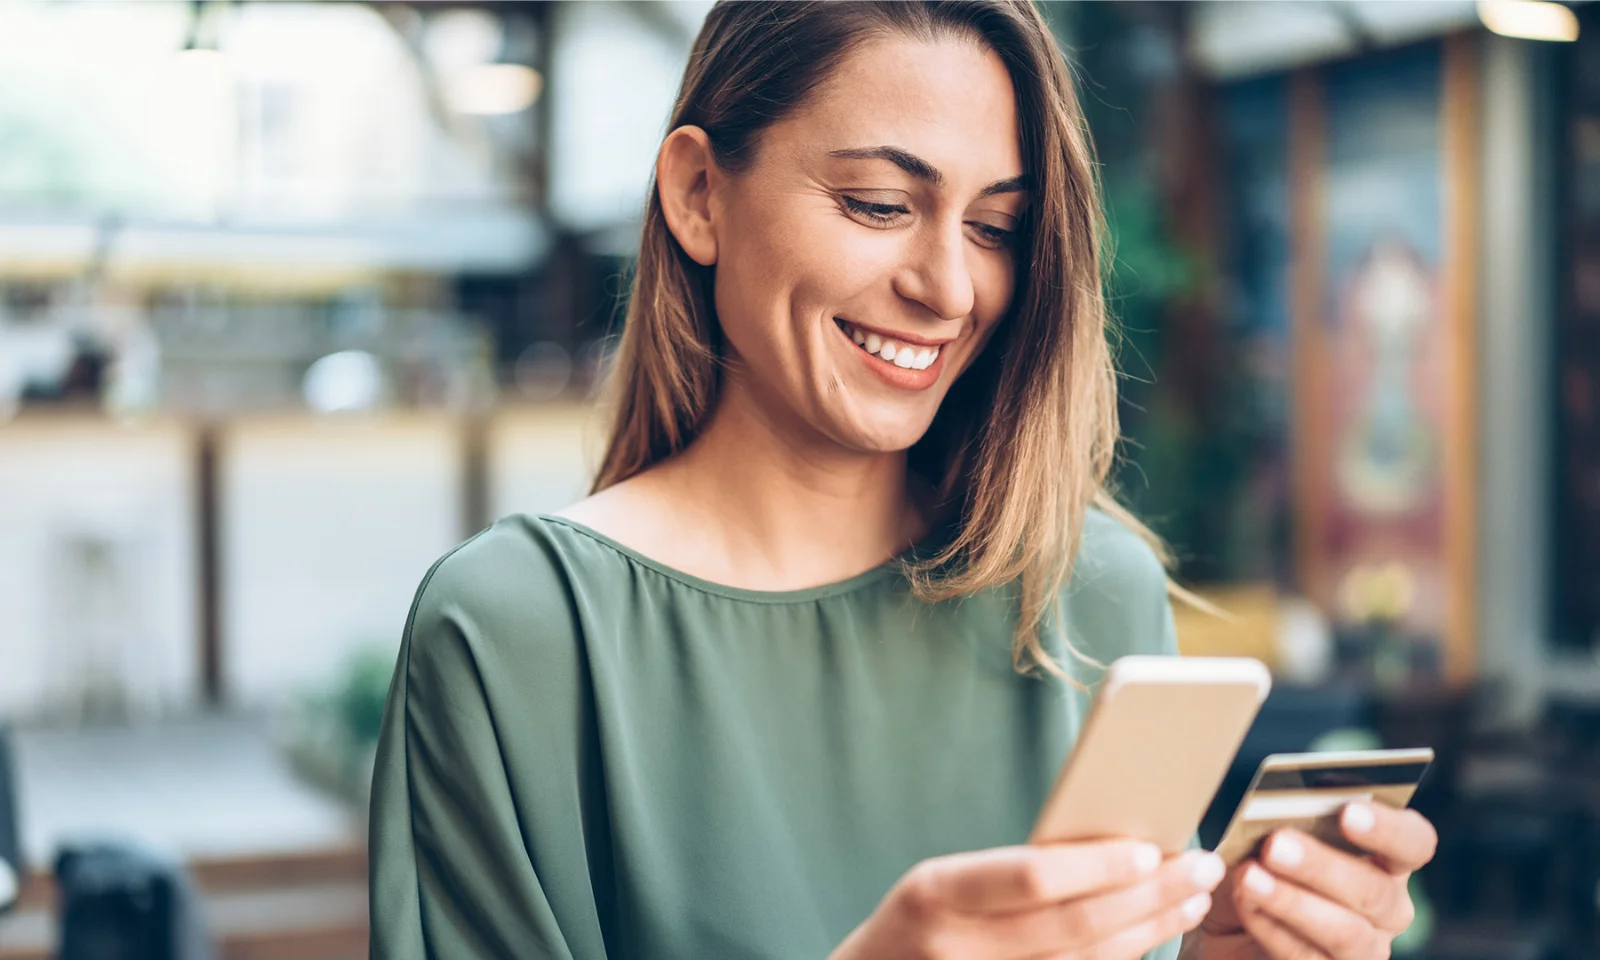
{"x":1403,"y":840}
{"x":1089,"y":920}
{"x":1350,"y":881}
{"x":1334,"y":930}
{"x":1007,"y":879}
{"x":1131,"y":943}
{"x":1277,"y":942}
{"x":1223,"y":920}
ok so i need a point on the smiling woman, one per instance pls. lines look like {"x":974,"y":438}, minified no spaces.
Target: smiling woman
{"x":878,"y":174}
{"x":794,"y":680}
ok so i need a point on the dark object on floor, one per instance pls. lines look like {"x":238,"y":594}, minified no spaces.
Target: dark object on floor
{"x":120,"y":902}
{"x":10,"y":839}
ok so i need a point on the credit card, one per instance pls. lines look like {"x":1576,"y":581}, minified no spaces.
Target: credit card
{"x":1307,"y":790}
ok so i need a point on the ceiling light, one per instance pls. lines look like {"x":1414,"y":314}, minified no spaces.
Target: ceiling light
{"x":1529,"y":19}
{"x":493,"y":88}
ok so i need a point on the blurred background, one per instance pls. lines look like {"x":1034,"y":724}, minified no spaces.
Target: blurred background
{"x":296,"y":296}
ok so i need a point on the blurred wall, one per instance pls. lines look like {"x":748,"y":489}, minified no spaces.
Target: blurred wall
{"x":326,"y":527}
{"x":539,"y":459}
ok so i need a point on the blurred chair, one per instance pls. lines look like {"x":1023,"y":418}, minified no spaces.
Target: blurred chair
{"x":1520,"y":841}
{"x":1503,"y":857}
{"x":1576,"y":722}
{"x":1583,"y":895}
{"x":1450,"y":720}
{"x":1478,"y":942}
{"x":120,"y":902}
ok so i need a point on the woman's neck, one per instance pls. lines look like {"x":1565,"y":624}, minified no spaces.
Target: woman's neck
{"x":763,"y":503}
{"x":787,"y":506}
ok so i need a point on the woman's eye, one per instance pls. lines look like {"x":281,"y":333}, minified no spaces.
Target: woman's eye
{"x":993,"y":236}
{"x":881,"y":213}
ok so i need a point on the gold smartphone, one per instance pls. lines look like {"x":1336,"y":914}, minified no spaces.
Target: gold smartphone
{"x":1157,"y":742}
{"x":1307,"y":791}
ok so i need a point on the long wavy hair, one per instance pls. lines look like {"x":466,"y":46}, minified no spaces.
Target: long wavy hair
{"x":1024,"y":441}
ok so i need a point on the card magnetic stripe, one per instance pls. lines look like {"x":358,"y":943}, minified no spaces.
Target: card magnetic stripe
{"x":1313,"y":778}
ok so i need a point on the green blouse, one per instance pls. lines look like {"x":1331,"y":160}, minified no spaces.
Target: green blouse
{"x":588,"y":755}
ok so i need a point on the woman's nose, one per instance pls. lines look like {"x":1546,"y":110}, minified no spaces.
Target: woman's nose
{"x":937,"y":274}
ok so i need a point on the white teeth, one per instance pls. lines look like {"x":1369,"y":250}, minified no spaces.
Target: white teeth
{"x":904,"y":356}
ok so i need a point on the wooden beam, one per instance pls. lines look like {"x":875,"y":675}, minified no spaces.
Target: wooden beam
{"x":1308,"y":426}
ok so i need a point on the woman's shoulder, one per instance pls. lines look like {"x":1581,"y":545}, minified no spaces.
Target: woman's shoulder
{"x":1117,"y":596}
{"x":509,"y":586}
{"x":516,"y":557}
{"x":1114,"y":559}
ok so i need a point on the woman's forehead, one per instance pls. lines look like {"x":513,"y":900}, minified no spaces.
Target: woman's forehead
{"x":947,"y":102}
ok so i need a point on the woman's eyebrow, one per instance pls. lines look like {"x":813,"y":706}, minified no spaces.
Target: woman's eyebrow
{"x":1011,"y":185}
{"x":922,"y":169}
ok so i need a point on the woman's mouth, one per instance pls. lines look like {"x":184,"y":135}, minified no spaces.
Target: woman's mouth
{"x":896,"y":363}
{"x":906,"y":356}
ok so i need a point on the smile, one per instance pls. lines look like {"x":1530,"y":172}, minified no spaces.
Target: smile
{"x":906,"y":356}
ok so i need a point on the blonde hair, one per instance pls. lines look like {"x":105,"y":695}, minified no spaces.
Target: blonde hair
{"x":1026,"y":438}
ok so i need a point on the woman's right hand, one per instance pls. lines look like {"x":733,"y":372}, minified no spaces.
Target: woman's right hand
{"x":1106,"y":900}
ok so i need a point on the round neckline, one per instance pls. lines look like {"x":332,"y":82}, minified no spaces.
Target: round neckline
{"x":891,"y":567}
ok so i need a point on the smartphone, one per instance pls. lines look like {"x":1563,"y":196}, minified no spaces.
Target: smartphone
{"x":1159,"y":738}
{"x":1307,"y":791}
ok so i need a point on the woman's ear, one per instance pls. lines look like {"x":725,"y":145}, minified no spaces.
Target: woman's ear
{"x":686,"y":171}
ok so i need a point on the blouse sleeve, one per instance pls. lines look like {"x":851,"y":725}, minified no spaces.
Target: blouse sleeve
{"x":1117,"y":600}
{"x":457,"y":870}
{"x":1119,"y":605}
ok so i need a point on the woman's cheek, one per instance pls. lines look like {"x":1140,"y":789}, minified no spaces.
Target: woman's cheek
{"x":995,"y":279}
{"x":991,"y":298}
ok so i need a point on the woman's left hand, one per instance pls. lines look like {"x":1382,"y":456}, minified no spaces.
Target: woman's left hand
{"x":1305,"y":900}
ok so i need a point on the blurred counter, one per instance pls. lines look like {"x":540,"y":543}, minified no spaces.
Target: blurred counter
{"x":273,"y":548}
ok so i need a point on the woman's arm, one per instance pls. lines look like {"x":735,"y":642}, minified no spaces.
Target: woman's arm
{"x":456,"y":870}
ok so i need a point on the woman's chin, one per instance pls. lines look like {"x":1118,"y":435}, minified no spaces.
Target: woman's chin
{"x":884,"y":434}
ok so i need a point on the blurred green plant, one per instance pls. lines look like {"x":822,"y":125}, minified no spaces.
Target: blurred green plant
{"x":332,"y":735}
{"x":1416,"y":936}
{"x":1145,"y":267}
{"x":1190,"y":422}
{"x":1182,"y":469}
{"x":359,"y":699}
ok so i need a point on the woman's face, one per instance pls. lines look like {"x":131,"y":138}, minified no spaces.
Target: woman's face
{"x":880,"y":216}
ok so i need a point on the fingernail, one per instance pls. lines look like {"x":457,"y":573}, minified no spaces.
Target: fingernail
{"x":1146,"y":858}
{"x":1285,"y":851}
{"x":1259,"y":881}
{"x":1358,"y":818}
{"x":1206,"y":870}
{"x":1196,"y":906}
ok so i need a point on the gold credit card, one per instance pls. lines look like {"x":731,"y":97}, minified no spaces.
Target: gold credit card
{"x":1308,"y":790}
